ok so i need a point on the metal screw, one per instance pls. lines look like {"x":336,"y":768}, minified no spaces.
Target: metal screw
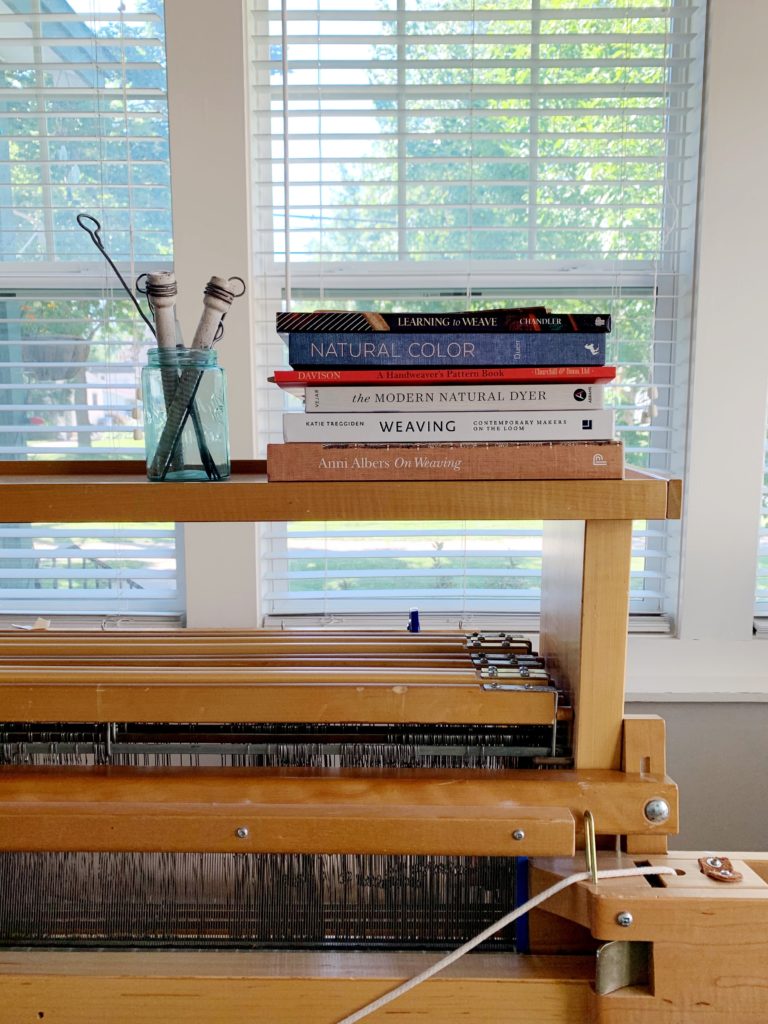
{"x":714,"y":862}
{"x":518,"y":834}
{"x":656,"y":810}
{"x":242,"y":832}
{"x":624,"y":918}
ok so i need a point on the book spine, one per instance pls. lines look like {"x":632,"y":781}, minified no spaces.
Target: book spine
{"x":445,"y":375}
{"x":491,"y":320}
{"x":561,"y":460}
{"x":591,"y":425}
{"x":452,"y":398}
{"x":308,"y":349}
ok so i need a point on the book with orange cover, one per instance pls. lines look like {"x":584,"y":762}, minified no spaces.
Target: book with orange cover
{"x":559,"y":460}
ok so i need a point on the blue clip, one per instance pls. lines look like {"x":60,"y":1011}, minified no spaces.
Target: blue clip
{"x":413,"y":621}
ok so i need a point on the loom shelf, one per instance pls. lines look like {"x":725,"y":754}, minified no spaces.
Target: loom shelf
{"x":119,"y":492}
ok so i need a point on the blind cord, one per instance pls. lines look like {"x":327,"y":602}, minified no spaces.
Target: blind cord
{"x":513,"y":915}
{"x":287,"y":283}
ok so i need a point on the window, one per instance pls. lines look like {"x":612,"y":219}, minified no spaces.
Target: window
{"x":446,"y":155}
{"x":83,"y":128}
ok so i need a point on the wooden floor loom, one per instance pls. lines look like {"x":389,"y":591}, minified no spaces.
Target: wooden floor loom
{"x":234,"y":826}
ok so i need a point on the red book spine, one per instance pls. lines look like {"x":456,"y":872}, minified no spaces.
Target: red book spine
{"x":446,"y":375}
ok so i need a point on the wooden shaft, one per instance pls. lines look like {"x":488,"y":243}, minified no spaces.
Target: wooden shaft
{"x":166,"y":660}
{"x":246,"y":642}
{"x":313,"y":675}
{"x":185,"y":696}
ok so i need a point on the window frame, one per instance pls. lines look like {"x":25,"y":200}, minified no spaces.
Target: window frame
{"x":712,"y":656}
{"x":80,"y":278}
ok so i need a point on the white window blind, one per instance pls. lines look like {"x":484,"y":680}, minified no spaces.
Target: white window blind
{"x":414,"y":154}
{"x":83,"y":129}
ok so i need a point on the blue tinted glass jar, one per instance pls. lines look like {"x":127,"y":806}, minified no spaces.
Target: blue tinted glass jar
{"x":185,"y":415}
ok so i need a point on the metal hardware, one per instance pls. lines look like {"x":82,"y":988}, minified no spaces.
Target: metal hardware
{"x":590,"y":846}
{"x":621,"y":965}
{"x":624,"y":918}
{"x":719,"y":869}
{"x":518,"y":834}
{"x":519,"y":688}
{"x":495,"y":671}
{"x":656,"y":810}
{"x":505,"y":658}
{"x":530,"y":688}
{"x":498,"y":641}
{"x":242,"y":832}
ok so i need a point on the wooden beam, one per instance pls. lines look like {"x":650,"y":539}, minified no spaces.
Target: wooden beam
{"x":585,"y":601}
{"x":315,"y":810}
{"x":286,"y":988}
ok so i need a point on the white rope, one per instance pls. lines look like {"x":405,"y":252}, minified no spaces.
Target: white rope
{"x":451,"y":958}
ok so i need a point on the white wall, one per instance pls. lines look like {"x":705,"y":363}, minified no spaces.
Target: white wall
{"x":210,"y":164}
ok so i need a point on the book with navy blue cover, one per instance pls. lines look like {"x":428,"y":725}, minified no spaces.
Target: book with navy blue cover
{"x":382,"y":349}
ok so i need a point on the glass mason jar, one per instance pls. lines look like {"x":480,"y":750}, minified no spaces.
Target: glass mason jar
{"x":185,"y":415}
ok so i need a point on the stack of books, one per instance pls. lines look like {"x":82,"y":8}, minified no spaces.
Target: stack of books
{"x":484,"y":395}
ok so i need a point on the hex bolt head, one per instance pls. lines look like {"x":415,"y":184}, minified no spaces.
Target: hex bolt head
{"x":624,"y":919}
{"x":242,"y":832}
{"x":656,"y":810}
{"x":518,"y":834}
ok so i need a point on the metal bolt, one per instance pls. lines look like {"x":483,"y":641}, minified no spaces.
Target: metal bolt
{"x":714,"y":862}
{"x":656,"y":810}
{"x":242,"y":832}
{"x":624,"y":918}
{"x":518,"y":834}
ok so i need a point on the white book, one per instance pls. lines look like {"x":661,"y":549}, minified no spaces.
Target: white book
{"x":415,"y":399}
{"x":402,"y":428}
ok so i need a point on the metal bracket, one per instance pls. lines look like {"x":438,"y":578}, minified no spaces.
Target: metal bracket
{"x":497,"y":641}
{"x":530,"y":688}
{"x":621,"y":965}
{"x":512,"y":672}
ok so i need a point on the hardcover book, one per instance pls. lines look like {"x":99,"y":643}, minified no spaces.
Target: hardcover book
{"x":594,"y":425}
{"x":347,"y":349}
{"x":472,"y":322}
{"x":560,"y":460}
{"x":295,"y":379}
{"x":480,"y":397}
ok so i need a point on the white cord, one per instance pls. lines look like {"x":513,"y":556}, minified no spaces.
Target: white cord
{"x":446,"y":961}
